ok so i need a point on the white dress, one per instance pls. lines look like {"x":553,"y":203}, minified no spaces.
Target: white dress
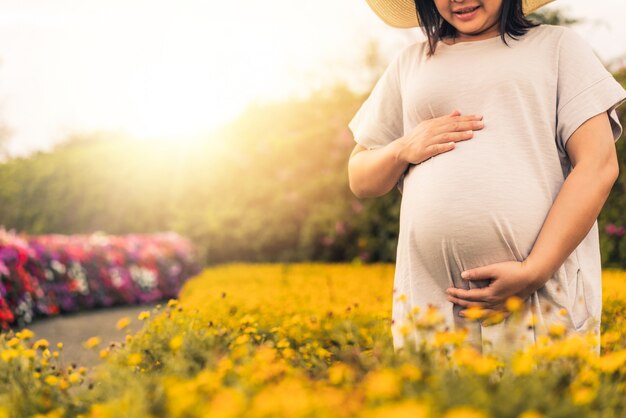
{"x":486,"y":200}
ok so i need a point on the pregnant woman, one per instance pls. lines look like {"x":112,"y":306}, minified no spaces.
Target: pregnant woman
{"x":499,"y":133}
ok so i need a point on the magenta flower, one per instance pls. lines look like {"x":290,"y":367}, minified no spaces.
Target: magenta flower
{"x":614,"y":230}
{"x":340,"y":227}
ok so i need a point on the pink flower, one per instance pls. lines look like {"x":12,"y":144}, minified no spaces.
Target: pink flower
{"x":357,"y":206}
{"x":614,"y":230}
{"x":327,"y":241}
{"x":340,"y":227}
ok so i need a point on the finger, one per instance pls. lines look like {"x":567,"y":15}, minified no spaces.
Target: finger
{"x":480,"y":294}
{"x":465,"y":118}
{"x":452,"y":136}
{"x":467,"y":304}
{"x":434,"y":149}
{"x":457,"y":126}
{"x":479,"y":273}
{"x":457,"y":114}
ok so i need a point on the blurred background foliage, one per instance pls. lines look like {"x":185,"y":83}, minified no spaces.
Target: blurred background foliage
{"x":271,"y":185}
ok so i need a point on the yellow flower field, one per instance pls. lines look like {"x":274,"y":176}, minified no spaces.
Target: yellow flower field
{"x":311,"y":340}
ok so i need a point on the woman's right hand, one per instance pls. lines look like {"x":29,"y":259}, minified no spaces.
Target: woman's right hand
{"x":438,"y":135}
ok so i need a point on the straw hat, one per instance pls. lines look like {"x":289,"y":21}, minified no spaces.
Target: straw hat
{"x":402,"y":14}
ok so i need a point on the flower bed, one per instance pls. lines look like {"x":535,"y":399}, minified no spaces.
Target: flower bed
{"x":305,"y":341}
{"x":49,"y":274}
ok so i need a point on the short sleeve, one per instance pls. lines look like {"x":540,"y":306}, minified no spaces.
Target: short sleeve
{"x":379,"y":120}
{"x":585,"y":88}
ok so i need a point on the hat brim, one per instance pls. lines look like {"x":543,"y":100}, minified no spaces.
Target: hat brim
{"x":402,"y":14}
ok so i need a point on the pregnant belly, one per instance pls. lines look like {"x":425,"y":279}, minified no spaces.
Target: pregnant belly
{"x":471,"y":210}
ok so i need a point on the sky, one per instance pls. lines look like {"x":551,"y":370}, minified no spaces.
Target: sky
{"x":178,"y":69}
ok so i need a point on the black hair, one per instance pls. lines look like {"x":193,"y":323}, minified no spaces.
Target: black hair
{"x":512,"y":22}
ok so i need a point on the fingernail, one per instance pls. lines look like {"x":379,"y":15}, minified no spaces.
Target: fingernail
{"x":464,"y":275}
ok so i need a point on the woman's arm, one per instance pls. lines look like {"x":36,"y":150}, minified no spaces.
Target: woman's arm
{"x":591,"y":149}
{"x":375,"y":172}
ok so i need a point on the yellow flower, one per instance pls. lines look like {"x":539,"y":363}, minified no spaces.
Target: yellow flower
{"x":176,"y":342}
{"x":514,"y":304}
{"x":60,"y":346}
{"x":246,"y":319}
{"x":46,"y":353}
{"x":382,"y":384}
{"x":454,"y":338}
{"x":582,"y":395}
{"x":431,"y":318}
{"x":557,"y":330}
{"x":25,"y":334}
{"x":51,"y":380}
{"x":55,"y":354}
{"x":42,"y":343}
{"x":288,"y":353}
{"x":282,"y":343}
{"x":92,"y":342}
{"x":241,"y":339}
{"x":104,"y":353}
{"x":464,"y":412}
{"x":610,"y":337}
{"x":472,"y":359}
{"x":410,"y":372}
{"x":74,"y":378}
{"x":340,"y":372}
{"x":123,"y":323}
{"x":530,"y":414}
{"x":63,"y":384}
{"x":13,"y":342}
{"x":522,"y":363}
{"x":8,"y":354}
{"x":172,"y":302}
{"x":134,"y":359}
{"x":493,"y":318}
{"x":402,"y":298}
{"x":563,"y":312}
{"x":322,"y":352}
{"x":611,"y":362}
{"x":143,"y":315}
{"x":30,"y":354}
{"x":405,"y":329}
{"x":408,"y":408}
{"x":474,"y":313}
{"x":228,"y":402}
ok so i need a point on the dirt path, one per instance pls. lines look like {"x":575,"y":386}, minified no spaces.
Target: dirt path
{"x":74,"y":328}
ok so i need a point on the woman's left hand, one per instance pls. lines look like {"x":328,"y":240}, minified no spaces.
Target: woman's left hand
{"x":508,"y":278}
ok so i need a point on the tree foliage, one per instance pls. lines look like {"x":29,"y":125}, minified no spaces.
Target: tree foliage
{"x":270,"y":186}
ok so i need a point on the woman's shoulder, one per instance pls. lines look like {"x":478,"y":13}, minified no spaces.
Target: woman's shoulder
{"x":546,"y":31}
